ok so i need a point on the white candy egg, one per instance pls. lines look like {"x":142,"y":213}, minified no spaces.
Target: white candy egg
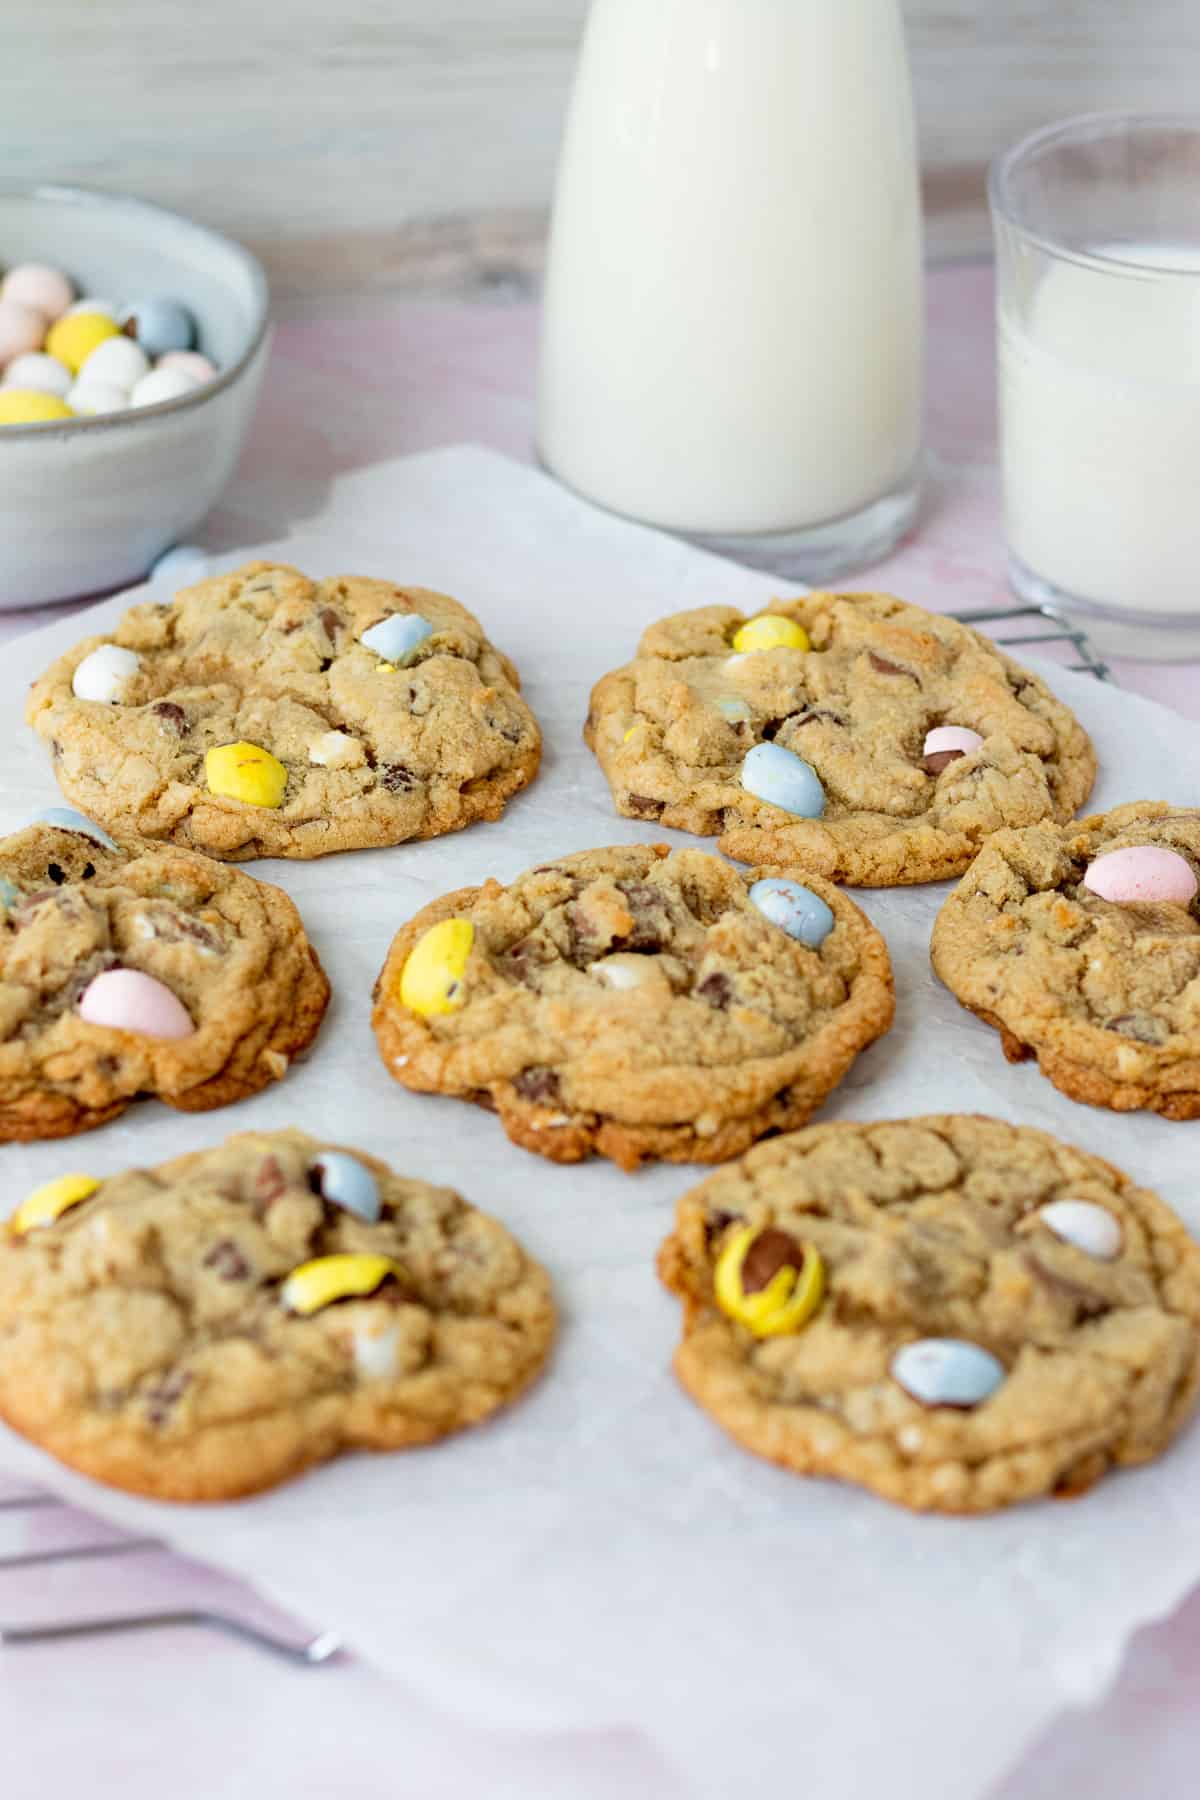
{"x":119,"y":361}
{"x":44,"y":374}
{"x":163,"y":384}
{"x":375,"y":1352}
{"x":1089,"y":1227}
{"x":92,"y":397}
{"x":104,"y":673}
{"x":180,"y":566}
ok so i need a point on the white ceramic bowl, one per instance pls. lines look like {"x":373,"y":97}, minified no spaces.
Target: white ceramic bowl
{"x":87,"y":505}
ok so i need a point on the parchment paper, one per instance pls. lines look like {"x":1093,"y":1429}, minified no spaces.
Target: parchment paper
{"x":601,"y":1555}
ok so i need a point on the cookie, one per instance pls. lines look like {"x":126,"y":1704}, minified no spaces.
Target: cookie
{"x":848,"y":734}
{"x":635,"y":1002}
{"x":216,"y":1325}
{"x":1081,"y":945}
{"x":954,"y":1312}
{"x":140,"y":969}
{"x":264,"y":714}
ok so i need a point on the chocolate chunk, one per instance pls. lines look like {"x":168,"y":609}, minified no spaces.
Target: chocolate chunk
{"x":483,"y":1097}
{"x":269,"y":1182}
{"x":164,"y":1396}
{"x":331,"y":622}
{"x":172,"y":717}
{"x":397,"y":779}
{"x":511,"y":733}
{"x":57,"y":874}
{"x":1141,"y":1026}
{"x":539,"y":1084}
{"x":522,"y":961}
{"x":941,"y":759}
{"x":715,"y":990}
{"x":56,"y":750}
{"x":643,"y":807}
{"x":717,"y":1224}
{"x":889,"y":668}
{"x":227,"y":1261}
{"x":769,"y":1253}
{"x":89,"y":869}
{"x":649,"y":914}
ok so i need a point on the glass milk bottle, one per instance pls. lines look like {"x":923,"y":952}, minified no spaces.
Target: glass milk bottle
{"x":733,"y":315}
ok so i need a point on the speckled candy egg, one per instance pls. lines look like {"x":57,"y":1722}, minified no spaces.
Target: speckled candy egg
{"x":127,"y":1000}
{"x":161,"y":324}
{"x":26,"y":406}
{"x":47,"y":290}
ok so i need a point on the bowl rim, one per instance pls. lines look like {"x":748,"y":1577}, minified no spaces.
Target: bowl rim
{"x":68,"y":194}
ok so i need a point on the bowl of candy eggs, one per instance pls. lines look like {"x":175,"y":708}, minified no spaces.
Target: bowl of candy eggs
{"x":132,"y":347}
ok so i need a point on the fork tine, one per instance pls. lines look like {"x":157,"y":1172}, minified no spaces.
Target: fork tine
{"x":75,"y":1553}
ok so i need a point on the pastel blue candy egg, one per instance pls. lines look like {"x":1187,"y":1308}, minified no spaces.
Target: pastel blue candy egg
{"x":161,"y":324}
{"x":803,"y":915}
{"x":396,"y":638}
{"x":8,"y":893}
{"x":65,"y":818}
{"x":784,"y":779}
{"x":180,"y":566}
{"x":946,"y":1372}
{"x":347,"y":1183}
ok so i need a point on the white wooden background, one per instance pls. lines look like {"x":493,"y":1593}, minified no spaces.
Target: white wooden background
{"x":366,"y":143}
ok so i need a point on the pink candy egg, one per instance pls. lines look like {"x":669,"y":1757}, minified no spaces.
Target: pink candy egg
{"x":951,"y":737}
{"x":190,"y":361}
{"x":22,"y":329}
{"x":127,"y":1000}
{"x":1144,"y":872}
{"x":35,"y":284}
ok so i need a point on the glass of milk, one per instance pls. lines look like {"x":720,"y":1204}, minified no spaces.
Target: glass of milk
{"x":1097,"y":227}
{"x":732,"y":333}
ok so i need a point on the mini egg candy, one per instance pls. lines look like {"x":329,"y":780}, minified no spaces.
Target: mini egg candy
{"x":127,"y":1000}
{"x":104,"y":673}
{"x":160,"y":324}
{"x":44,"y":374}
{"x":347,"y":1183}
{"x":245,"y":772}
{"x":65,"y":818}
{"x":737,"y":712}
{"x":622,"y":971}
{"x":783,"y":779}
{"x":48,"y":1203}
{"x":1089,"y":1227}
{"x":9,"y":893}
{"x":795,"y":909}
{"x":88,"y":399}
{"x":397,"y":637}
{"x":431,"y":981}
{"x":768,"y":1281}
{"x":37,"y":285}
{"x":160,"y":385}
{"x":946,"y":744}
{"x":191,"y":362}
{"x":770,"y":631}
{"x":73,"y":338}
{"x":336,"y":750}
{"x":22,"y":329}
{"x":118,"y":361}
{"x":319,"y":1283}
{"x":27,"y":406}
{"x":947,"y":1372}
{"x":180,"y":566}
{"x":1143,"y":873}
{"x":376,"y":1350}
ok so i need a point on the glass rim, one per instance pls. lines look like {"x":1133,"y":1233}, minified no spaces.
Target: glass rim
{"x":1082,"y":127}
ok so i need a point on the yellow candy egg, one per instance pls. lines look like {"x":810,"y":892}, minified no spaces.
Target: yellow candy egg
{"x":48,"y":1203}
{"x":768,"y":1281}
{"x":770,"y":631}
{"x":27,"y":406}
{"x":328,"y":1278}
{"x":73,"y":338}
{"x":432,"y":980}
{"x":245,"y":772}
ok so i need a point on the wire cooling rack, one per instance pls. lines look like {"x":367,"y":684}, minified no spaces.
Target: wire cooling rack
{"x":1028,"y":626}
